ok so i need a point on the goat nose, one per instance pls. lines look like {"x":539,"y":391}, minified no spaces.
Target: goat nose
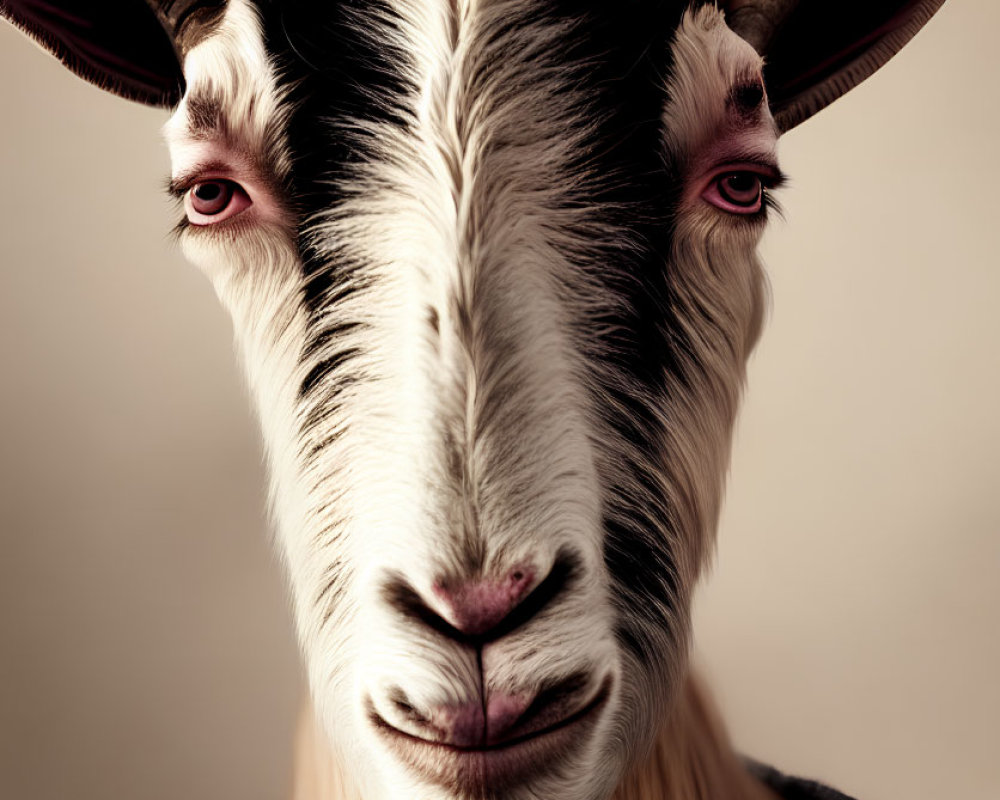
{"x":480,"y":609}
{"x":476,"y":607}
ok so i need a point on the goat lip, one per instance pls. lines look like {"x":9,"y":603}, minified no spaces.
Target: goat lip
{"x":473,"y":770}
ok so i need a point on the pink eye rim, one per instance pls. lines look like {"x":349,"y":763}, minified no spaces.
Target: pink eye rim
{"x":205,"y":207}
{"x":723,"y":191}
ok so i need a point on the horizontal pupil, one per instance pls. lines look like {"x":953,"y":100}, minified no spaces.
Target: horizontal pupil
{"x":742,"y":189}
{"x":742,"y":183}
{"x":208,"y":191}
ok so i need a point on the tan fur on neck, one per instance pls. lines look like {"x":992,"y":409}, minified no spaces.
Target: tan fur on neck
{"x":692,"y":759}
{"x":316,"y":773}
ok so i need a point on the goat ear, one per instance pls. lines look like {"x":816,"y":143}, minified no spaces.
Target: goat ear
{"x":815,"y":50}
{"x":124,"y":46}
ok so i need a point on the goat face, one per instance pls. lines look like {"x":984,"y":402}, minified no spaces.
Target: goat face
{"x":491,"y":269}
{"x":496,"y":334}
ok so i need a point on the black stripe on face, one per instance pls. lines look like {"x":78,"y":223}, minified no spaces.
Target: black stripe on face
{"x":631,"y":59}
{"x":339,"y":64}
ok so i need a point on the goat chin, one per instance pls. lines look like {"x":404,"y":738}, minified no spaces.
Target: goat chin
{"x":692,"y":759}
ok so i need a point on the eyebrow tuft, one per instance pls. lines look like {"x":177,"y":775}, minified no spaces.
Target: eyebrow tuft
{"x":747,"y":96}
{"x":205,"y":117}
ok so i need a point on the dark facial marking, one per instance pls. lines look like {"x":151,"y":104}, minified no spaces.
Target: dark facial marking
{"x":341,"y":63}
{"x":747,"y":97}
{"x":630,"y":60}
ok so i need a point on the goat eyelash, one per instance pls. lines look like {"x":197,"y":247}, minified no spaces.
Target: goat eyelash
{"x":176,"y":188}
{"x":770,"y":205}
{"x":766,"y":169}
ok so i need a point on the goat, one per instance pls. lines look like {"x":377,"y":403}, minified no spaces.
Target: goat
{"x":475,"y":230}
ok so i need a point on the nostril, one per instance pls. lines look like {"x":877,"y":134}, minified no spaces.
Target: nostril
{"x":401,"y":703}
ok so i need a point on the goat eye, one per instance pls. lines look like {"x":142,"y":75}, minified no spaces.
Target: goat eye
{"x":212,"y":201}
{"x":736,"y":192}
{"x":741,"y":188}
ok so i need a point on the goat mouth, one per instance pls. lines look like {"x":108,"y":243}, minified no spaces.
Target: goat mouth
{"x":486,"y":769}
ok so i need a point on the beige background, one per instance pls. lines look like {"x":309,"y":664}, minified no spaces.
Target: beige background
{"x":850,"y":627}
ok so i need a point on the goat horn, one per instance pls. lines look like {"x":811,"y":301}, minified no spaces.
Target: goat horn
{"x":133,"y":48}
{"x":815,"y":52}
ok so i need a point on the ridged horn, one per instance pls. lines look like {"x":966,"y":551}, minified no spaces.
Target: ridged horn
{"x":815,"y":50}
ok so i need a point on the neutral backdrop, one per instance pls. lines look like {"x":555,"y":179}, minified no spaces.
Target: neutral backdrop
{"x":850,"y":627}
